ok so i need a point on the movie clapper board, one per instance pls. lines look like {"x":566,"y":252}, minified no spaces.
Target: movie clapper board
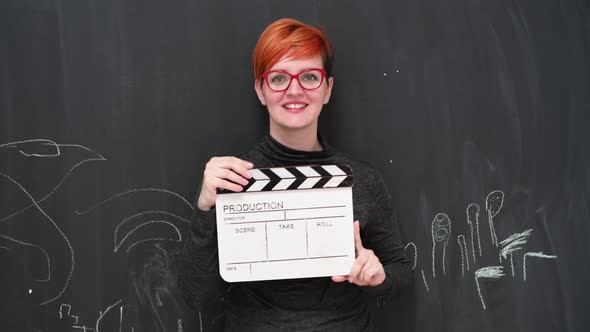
{"x":288,"y":222}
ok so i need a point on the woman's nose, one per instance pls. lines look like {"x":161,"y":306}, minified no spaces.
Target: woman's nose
{"x":294,"y":88}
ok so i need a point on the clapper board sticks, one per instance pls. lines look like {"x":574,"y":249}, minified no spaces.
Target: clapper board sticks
{"x":298,"y":177}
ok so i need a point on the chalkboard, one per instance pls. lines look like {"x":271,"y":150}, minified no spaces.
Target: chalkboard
{"x":475,"y":112}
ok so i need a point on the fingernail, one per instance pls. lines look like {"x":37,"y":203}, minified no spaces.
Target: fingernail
{"x":250,"y":165}
{"x":249,"y":174}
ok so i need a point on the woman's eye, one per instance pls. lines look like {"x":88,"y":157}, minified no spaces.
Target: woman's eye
{"x":309,"y":77}
{"x":278,"y":79}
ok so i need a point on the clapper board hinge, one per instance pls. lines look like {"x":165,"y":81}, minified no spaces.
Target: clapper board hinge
{"x":298,"y":177}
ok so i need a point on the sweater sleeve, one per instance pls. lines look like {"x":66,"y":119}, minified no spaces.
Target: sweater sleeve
{"x":382,"y":235}
{"x":198,"y":264}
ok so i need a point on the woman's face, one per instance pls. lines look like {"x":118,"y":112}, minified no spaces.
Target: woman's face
{"x":295,"y":108}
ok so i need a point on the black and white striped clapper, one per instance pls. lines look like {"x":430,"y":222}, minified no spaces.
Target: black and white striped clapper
{"x":298,"y":177}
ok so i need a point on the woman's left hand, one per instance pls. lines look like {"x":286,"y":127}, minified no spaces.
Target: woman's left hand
{"x":366,"y":269}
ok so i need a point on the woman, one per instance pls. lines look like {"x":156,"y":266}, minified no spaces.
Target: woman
{"x":293,"y":79}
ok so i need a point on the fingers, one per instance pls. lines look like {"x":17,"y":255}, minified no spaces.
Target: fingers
{"x":358,"y":265}
{"x":223,"y":173}
{"x":228,"y":173}
{"x":220,"y":183}
{"x":372,"y":271}
{"x":237,"y":165}
{"x":366,"y":270}
{"x":339,"y":278}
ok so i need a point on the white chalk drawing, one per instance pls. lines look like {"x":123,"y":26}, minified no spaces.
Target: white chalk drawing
{"x":494,"y":202}
{"x":127,"y":231}
{"x":95,"y":206}
{"x":507,"y":249}
{"x":102,"y":314}
{"x":415,"y":253}
{"x":464,"y":254}
{"x":122,"y":310}
{"x":130,"y":218}
{"x":536,"y":255}
{"x":61,"y":308}
{"x":441,"y":232}
{"x":200,"y":322}
{"x":65,"y":313}
{"x":489,"y":272}
{"x":19,"y":145}
{"x":118,"y":243}
{"x":120,"y":318}
{"x":54,"y":224}
{"x":57,"y":153}
{"x":512,"y":244}
{"x":156,"y":313}
{"x":472,"y":213}
{"x":425,"y":283}
{"x":44,"y":149}
{"x":46,"y":256}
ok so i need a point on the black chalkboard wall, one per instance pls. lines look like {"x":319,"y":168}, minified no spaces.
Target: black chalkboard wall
{"x":475,"y":112}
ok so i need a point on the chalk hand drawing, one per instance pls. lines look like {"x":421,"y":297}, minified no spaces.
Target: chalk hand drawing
{"x":535,"y":255}
{"x":512,"y":244}
{"x":441,"y":232}
{"x":464,"y":254}
{"x":472,"y":213}
{"x":413,"y":245}
{"x":507,"y":248}
{"x":489,"y":272}
{"x":425,"y":283}
{"x":494,"y":202}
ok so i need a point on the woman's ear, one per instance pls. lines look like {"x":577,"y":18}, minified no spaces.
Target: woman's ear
{"x":330,"y":82}
{"x":259,"y":92}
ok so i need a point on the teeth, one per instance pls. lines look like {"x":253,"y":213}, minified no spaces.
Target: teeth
{"x":295,"y":105}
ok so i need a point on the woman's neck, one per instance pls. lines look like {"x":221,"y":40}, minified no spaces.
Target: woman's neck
{"x":305,"y":139}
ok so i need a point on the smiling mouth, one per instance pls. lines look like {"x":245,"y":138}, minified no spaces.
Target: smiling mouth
{"x":294,"y":106}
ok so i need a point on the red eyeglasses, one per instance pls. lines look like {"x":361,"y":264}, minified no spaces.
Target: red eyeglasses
{"x":309,"y":79}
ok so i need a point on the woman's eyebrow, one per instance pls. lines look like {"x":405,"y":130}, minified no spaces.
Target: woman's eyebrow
{"x":286,"y":71}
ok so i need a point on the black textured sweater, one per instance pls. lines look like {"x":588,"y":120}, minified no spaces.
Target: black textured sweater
{"x":311,"y":304}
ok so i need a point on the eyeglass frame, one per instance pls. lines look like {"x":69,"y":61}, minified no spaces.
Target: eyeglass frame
{"x":294,"y":77}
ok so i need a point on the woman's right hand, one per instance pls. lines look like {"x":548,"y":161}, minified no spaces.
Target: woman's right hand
{"x":222,"y":172}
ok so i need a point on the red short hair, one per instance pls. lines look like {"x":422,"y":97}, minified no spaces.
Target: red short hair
{"x":293,"y":38}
